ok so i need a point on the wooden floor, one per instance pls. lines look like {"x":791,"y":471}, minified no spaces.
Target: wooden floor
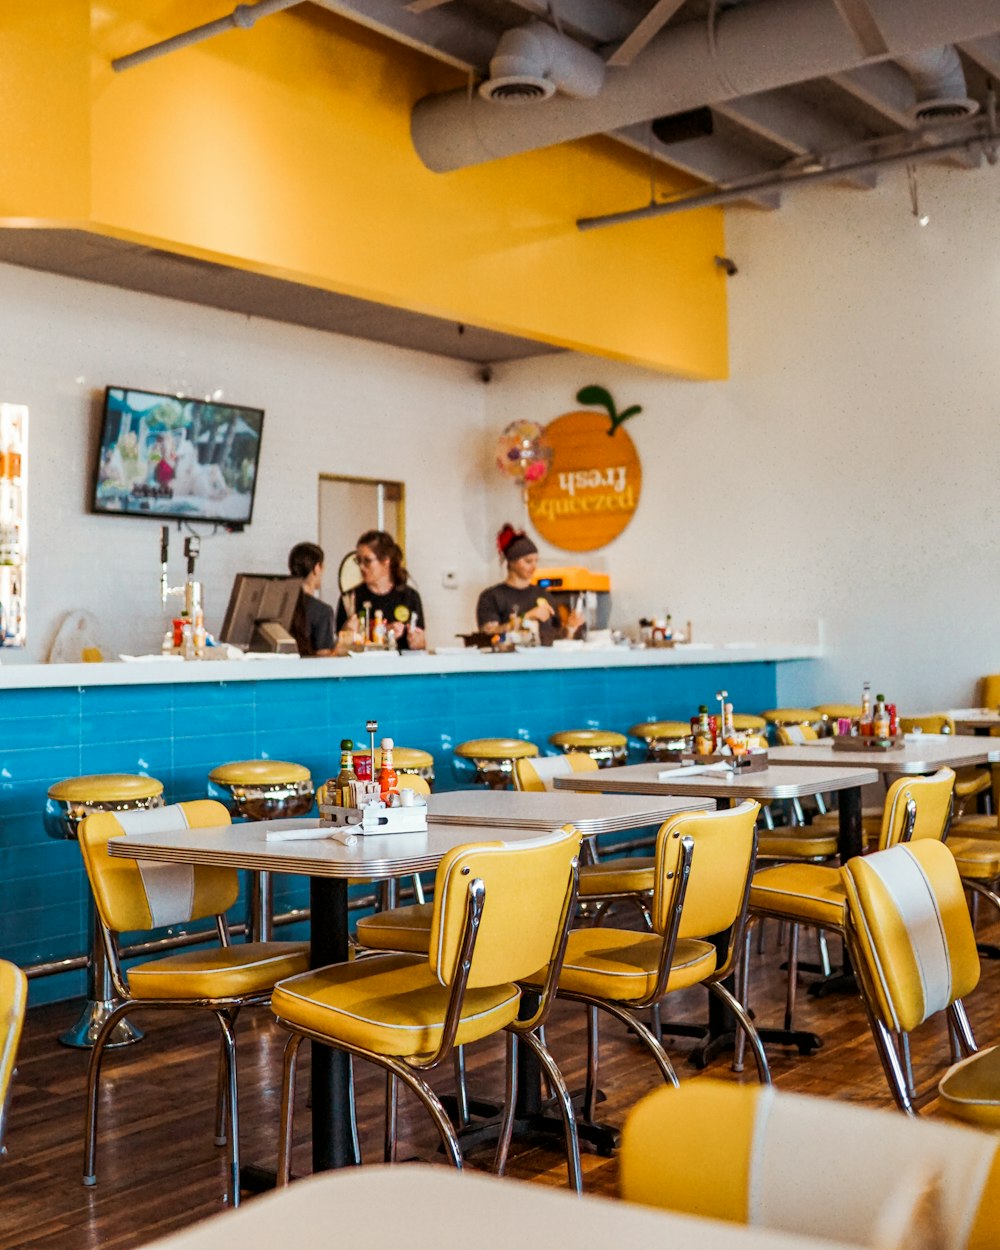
{"x":158,"y":1169}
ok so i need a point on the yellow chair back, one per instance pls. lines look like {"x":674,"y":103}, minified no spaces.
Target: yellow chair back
{"x":989,"y":690}
{"x":13,"y":1002}
{"x":724,"y":846}
{"x":758,"y":1156}
{"x":910,"y":925}
{"x":933,"y":798}
{"x":795,"y":735}
{"x":536,"y":775}
{"x":526,"y":890}
{"x":132,"y":894}
{"x":937,"y":723}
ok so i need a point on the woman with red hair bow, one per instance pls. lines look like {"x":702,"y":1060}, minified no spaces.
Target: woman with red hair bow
{"x":516,"y":596}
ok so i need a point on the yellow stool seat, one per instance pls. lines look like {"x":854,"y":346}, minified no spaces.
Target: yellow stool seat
{"x":797,"y":844}
{"x":604,"y":745}
{"x":222,"y":971}
{"x":496,"y":749}
{"x":398,"y":929}
{"x":808,"y":893}
{"x":970,"y":782}
{"x":392,"y":1004}
{"x":749,"y":724}
{"x":621,"y":964}
{"x":834,"y":711}
{"x":970,"y":1089}
{"x":978,"y":859}
{"x":625,"y":875}
{"x":259,"y":773}
{"x":656,"y":730}
{"x":410,"y":760}
{"x":976,"y":827}
{"x":871,"y":824}
{"x":105,"y":790}
{"x":791,"y":715}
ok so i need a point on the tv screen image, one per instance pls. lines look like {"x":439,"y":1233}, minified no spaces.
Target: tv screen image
{"x":165,"y":456}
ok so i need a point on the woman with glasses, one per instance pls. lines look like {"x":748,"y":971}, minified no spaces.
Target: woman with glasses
{"x":386,"y":589}
{"x":312,"y":624}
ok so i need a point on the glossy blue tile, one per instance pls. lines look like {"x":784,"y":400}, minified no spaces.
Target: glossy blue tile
{"x":39,"y":764}
{"x":151,"y":758}
{"x":60,"y":702}
{"x":126,"y":726}
{"x":200,"y":695}
{"x":207,"y":752}
{"x":113,"y":700}
{"x":31,"y":732}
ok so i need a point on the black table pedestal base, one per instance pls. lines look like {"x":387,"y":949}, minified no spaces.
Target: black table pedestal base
{"x":842,"y":982}
{"x":543,"y":1126}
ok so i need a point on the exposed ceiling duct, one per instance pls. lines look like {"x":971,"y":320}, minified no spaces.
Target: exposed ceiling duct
{"x":942,"y":93}
{"x":751,"y":48}
{"x":532,"y":62}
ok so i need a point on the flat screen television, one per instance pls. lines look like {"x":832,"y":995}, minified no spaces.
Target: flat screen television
{"x":169,"y":457}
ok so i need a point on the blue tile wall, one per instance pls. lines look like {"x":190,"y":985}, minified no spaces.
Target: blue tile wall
{"x":177,"y":733}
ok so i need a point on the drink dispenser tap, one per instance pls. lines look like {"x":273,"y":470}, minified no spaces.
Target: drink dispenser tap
{"x":191,"y":593}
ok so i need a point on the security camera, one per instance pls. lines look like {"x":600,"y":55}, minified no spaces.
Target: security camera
{"x":485,"y":374}
{"x":728,"y":265}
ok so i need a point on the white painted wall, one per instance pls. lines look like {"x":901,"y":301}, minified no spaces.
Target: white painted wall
{"x":333,"y":405}
{"x":850,"y":468}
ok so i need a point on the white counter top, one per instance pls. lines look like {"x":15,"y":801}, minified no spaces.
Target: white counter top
{"x":170,"y":672}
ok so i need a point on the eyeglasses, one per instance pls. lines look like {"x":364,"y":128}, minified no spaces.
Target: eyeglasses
{"x":364,"y":561}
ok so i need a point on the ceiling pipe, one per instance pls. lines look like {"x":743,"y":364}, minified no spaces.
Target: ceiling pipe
{"x":534,"y":61}
{"x":939,"y":81}
{"x":711,"y":199}
{"x":754,"y":47}
{"x":243,"y":17}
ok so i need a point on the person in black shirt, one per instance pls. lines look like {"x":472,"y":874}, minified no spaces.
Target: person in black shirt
{"x":385,"y":589}
{"x":312,"y":624}
{"x":516,"y":595}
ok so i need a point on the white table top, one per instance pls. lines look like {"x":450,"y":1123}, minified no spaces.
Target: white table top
{"x":920,"y":753}
{"x":773,"y":782}
{"x":421,"y":1205}
{"x":590,"y":813}
{"x":246,"y":846}
{"x":972,"y":718}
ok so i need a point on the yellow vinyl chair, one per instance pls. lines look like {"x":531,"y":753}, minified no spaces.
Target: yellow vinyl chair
{"x":793,"y":1164}
{"x":970,"y":781}
{"x":13,"y":1002}
{"x":915,"y":955}
{"x":603,"y":882}
{"x":500,"y":910}
{"x":814,"y":895}
{"x":136,"y":895}
{"x":704,"y":861}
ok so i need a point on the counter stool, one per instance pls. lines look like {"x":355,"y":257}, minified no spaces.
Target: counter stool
{"x":493,"y":759}
{"x":261,"y":790}
{"x":67,"y":804}
{"x":749,"y":724}
{"x":830,"y":713}
{"x":407,"y":761}
{"x":663,"y":737}
{"x":610,"y":749}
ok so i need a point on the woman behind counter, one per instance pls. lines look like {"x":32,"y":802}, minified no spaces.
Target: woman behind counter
{"x":386,"y":589}
{"x":516,"y":595}
{"x":312,"y":624}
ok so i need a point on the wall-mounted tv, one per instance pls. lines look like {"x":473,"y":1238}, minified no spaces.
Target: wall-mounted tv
{"x":168,"y":457}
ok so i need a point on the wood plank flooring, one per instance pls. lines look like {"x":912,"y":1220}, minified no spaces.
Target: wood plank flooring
{"x":158,"y":1169}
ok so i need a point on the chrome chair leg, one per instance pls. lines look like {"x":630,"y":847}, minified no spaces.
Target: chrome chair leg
{"x":656,"y":1022}
{"x":461,"y":1087}
{"x":391,"y":1116}
{"x":743,"y":990}
{"x":556,"y":1082}
{"x":510,"y":1098}
{"x":434,"y":1108}
{"x":226,"y":1023}
{"x":418,"y":889}
{"x":963,"y":1028}
{"x":824,"y":952}
{"x":221,"y":1096}
{"x":746,"y":1024}
{"x":632,"y":1021}
{"x":903,"y":1044}
{"x":93,"y":1085}
{"x":287,"y":1108}
{"x":793,"y":976}
{"x":593,"y":1064}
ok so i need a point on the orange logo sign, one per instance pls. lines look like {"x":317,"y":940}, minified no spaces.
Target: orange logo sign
{"x":591,"y":489}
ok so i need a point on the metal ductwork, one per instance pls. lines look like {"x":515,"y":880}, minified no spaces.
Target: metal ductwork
{"x":942,"y":93}
{"x":754,"y":47}
{"x":532,"y":62}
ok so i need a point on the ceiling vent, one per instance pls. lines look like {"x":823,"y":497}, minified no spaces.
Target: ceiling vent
{"x":939,"y":81}
{"x":533,"y":62}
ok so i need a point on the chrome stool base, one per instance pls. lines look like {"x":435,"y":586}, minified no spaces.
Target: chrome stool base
{"x":83,"y":1034}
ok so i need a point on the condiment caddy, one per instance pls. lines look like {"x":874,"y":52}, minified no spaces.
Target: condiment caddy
{"x":714,"y":740}
{"x":877,"y":727}
{"x":365,"y":805}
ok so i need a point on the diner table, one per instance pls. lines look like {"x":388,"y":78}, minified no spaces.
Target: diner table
{"x":727,"y":787}
{"x":917,"y":754}
{"x":974,"y":720}
{"x":330,"y":857}
{"x":424,"y":1205}
{"x":592,"y":814}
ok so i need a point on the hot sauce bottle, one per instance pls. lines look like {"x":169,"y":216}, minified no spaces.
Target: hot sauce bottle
{"x":388,"y":782}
